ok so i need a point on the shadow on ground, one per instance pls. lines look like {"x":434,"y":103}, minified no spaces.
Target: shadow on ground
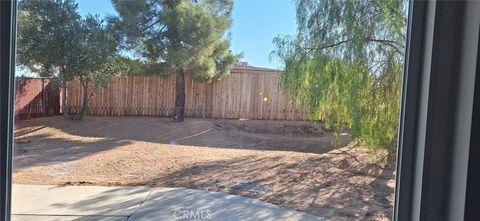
{"x":327,"y":185}
{"x":307,"y":137}
{"x":142,"y":203}
{"x":296,"y":168}
{"x":44,"y":150}
{"x":53,"y":140}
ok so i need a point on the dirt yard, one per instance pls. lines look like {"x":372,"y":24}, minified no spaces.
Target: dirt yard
{"x":287,"y":163}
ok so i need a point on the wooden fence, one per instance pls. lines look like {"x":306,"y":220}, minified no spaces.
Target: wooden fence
{"x":36,"y":97}
{"x":243,"y":94}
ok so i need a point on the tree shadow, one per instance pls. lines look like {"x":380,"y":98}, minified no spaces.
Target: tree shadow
{"x":79,"y":203}
{"x":44,"y":150}
{"x":215,"y":133}
{"x":339,"y":189}
{"x":143,"y":203}
{"x":326,"y":183}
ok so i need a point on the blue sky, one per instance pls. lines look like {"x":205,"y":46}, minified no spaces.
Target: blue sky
{"x":255,"y":24}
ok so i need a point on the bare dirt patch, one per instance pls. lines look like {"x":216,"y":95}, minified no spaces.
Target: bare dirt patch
{"x":288,"y":163}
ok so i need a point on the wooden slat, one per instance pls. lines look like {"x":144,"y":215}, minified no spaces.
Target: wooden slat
{"x":240,"y":95}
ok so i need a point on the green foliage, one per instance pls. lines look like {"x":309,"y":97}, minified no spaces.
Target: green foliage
{"x":178,"y":36}
{"x":53,"y":40}
{"x":346,"y":62}
{"x":47,"y":33}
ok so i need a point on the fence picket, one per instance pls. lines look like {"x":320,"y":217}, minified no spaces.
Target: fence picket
{"x":243,"y":94}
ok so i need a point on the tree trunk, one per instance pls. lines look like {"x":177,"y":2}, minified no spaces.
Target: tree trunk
{"x":65,"y":106}
{"x":86,"y":99}
{"x":179,"y":97}
{"x":80,"y":115}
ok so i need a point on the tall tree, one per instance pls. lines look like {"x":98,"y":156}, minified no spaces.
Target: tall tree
{"x":179,"y":38}
{"x":346,"y":62}
{"x":54,"y":40}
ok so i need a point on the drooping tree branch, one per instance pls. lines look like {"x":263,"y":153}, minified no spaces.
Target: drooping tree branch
{"x":390,"y":43}
{"x":386,"y":41}
{"x":327,"y":46}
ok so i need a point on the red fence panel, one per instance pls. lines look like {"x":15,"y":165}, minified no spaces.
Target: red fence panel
{"x":36,"y":97}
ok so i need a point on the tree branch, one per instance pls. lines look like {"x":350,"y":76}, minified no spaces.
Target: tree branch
{"x":390,"y":43}
{"x":329,"y":46}
{"x":151,"y":5}
{"x":385,"y":41}
{"x":149,"y":19}
{"x":153,"y":24}
{"x":91,"y":95}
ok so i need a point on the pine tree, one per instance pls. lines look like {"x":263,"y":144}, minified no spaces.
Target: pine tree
{"x":178,"y":38}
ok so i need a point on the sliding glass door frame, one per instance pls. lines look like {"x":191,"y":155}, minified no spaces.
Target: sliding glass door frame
{"x":436,"y":127}
{"x":7,"y":95}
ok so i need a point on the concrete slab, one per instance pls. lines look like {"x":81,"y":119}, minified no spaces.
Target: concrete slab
{"x":77,"y":200}
{"x":188,"y":204}
{"x":66,"y":218}
{"x":86,"y":203}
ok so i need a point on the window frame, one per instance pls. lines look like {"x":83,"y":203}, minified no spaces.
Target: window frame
{"x":436,"y":117}
{"x":7,"y":95}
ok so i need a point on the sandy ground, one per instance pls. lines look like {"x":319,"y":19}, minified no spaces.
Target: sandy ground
{"x":287,"y":163}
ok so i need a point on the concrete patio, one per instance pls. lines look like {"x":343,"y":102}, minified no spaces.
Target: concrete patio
{"x":48,"y":203}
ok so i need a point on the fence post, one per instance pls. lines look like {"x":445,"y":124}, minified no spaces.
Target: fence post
{"x":44,"y":104}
